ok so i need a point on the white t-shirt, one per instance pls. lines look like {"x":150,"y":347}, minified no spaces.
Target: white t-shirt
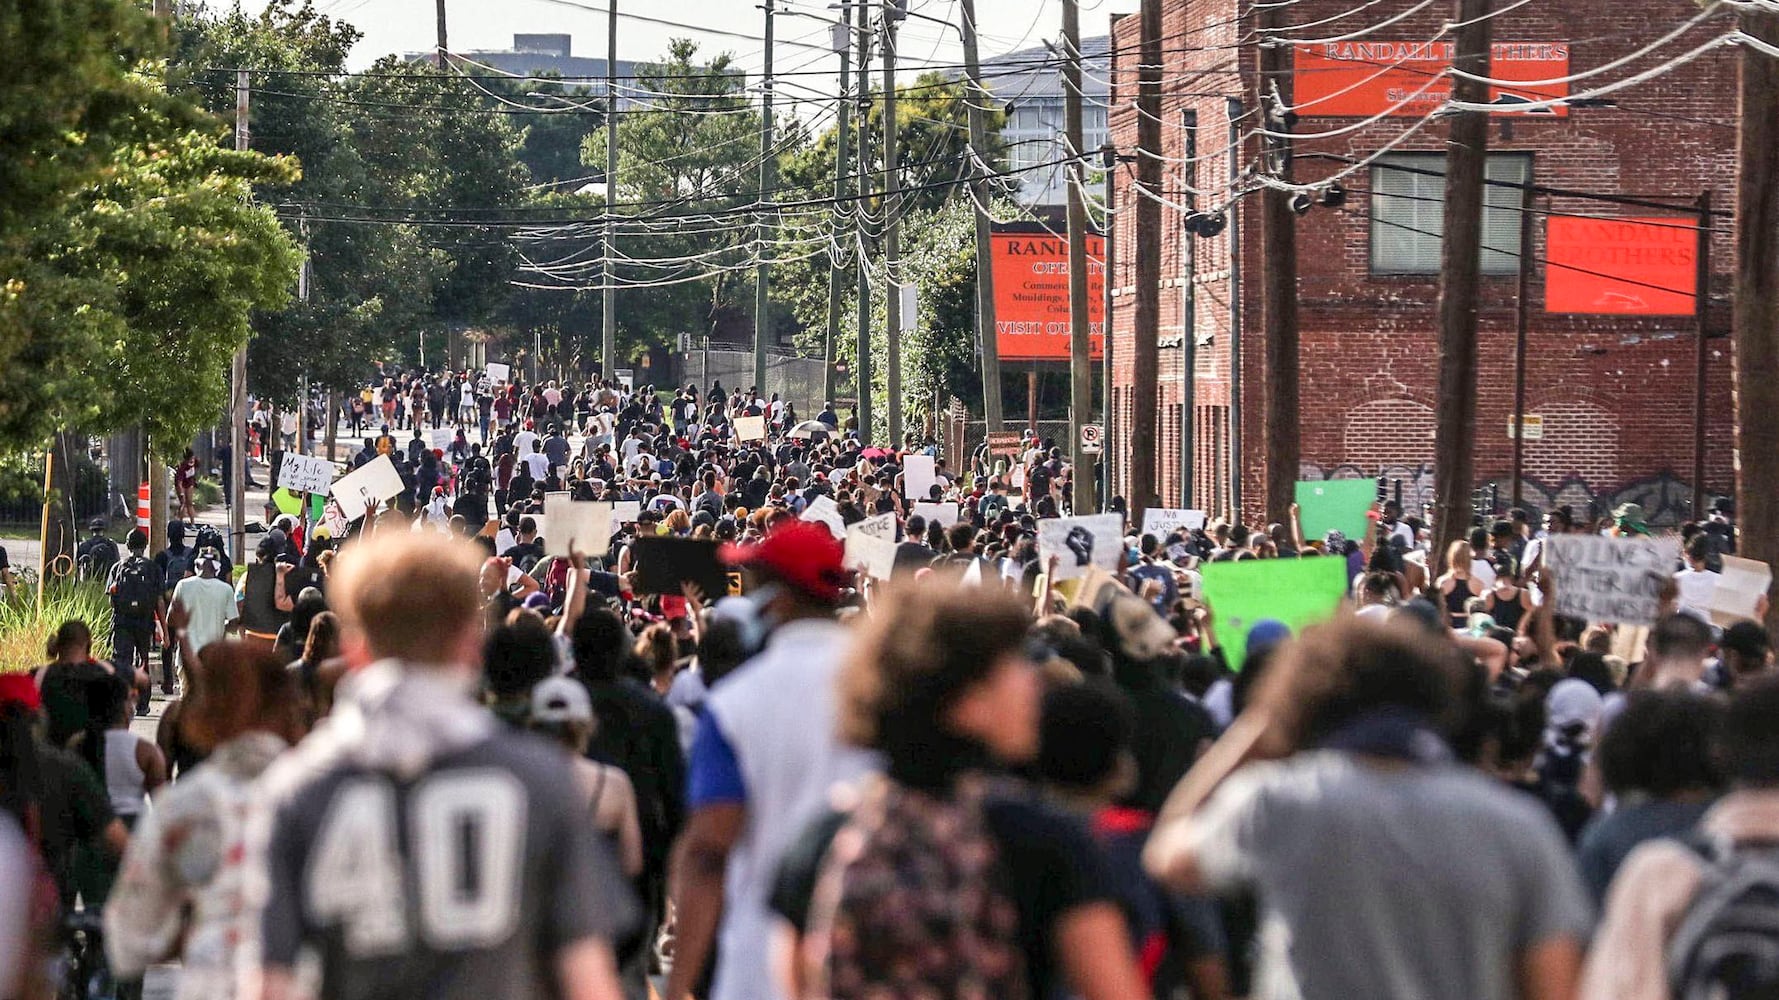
{"x":522,"y":442}
{"x":538,"y":464}
{"x":1484,"y":573}
{"x":212,"y":605}
{"x":1696,"y":587}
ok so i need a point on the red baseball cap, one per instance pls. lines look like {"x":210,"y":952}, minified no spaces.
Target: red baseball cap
{"x":801,"y":554}
{"x":21,"y":690}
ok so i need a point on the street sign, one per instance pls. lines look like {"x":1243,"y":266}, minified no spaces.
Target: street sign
{"x":1003,"y":443}
{"x":1534,"y":427}
{"x":1091,"y":437}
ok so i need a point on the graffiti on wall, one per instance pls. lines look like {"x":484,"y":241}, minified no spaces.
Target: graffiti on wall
{"x":1666,"y":499}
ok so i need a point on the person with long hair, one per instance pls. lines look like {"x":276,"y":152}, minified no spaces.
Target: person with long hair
{"x":1457,"y":585}
{"x":938,"y":682}
{"x":63,"y":681}
{"x":179,"y":893}
{"x":130,"y":766}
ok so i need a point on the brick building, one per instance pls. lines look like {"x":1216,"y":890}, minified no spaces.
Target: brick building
{"x":1615,"y":392}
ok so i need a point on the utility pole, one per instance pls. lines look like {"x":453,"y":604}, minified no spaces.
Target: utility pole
{"x":238,"y":369}
{"x":1756,"y":298}
{"x":863,"y":402}
{"x":1109,"y":443}
{"x":443,"y":48}
{"x":1702,"y":350}
{"x":892,"y":235}
{"x":1521,"y":322}
{"x":986,"y":330}
{"x":156,"y":451}
{"x":763,"y":269}
{"x":1278,"y":280}
{"x":1467,"y":146}
{"x":1145,"y":353}
{"x":1080,"y":341}
{"x":836,"y":278}
{"x":608,"y":316}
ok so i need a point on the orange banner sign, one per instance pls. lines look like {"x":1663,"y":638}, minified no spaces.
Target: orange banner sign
{"x":1031,"y":270}
{"x":1363,"y":79}
{"x":1621,"y":267}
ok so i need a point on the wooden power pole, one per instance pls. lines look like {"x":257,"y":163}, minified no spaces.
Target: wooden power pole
{"x":1080,"y":340}
{"x":1460,"y":262}
{"x":763,"y":255}
{"x":1278,"y":276}
{"x":892,"y":234}
{"x":1756,"y":299}
{"x":980,"y":193}
{"x":238,"y":369}
{"x":836,"y":276}
{"x":1145,"y":401}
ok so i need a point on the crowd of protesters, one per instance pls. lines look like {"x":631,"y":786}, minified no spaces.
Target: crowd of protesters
{"x":433,"y":752}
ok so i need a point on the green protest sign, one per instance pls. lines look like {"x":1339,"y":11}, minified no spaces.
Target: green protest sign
{"x":1298,"y":592}
{"x":1335,"y":505}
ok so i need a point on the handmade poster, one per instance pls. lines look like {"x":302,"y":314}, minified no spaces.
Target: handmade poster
{"x":1298,"y":592}
{"x":750,"y":428}
{"x":822,"y":510}
{"x":871,"y":546}
{"x":1739,"y":590}
{"x":944,"y":513}
{"x":919,"y":475}
{"x":1335,"y":505}
{"x":576,"y":524}
{"x":664,"y":564}
{"x":286,"y":501}
{"x":1081,"y":542}
{"x":498,"y":372}
{"x":1163,"y":521}
{"x":368,"y":485}
{"x":305,"y":474}
{"x":1616,"y":580}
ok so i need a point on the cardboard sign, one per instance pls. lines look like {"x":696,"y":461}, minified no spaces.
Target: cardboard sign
{"x":1617,"y":580}
{"x":304,"y":474}
{"x":1081,"y":542}
{"x":665,"y":563}
{"x":1335,"y":505}
{"x":1298,"y":592}
{"x":1739,"y":590}
{"x":440,"y":438}
{"x":1363,"y":78}
{"x":626,"y":511}
{"x":1621,"y":267}
{"x":871,"y":546}
{"x":944,"y":513}
{"x":1163,"y":521}
{"x":498,"y":372}
{"x":1031,"y":271}
{"x":750,"y":428}
{"x":368,"y":485}
{"x":1003,"y":443}
{"x":822,"y":510}
{"x":581,"y":524}
{"x":919,"y":475}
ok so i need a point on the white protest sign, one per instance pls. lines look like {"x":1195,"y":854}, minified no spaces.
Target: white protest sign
{"x":1617,"y":580}
{"x":1017,"y":479}
{"x":1739,"y":590}
{"x":504,"y":540}
{"x":1081,"y":542}
{"x":305,"y":474}
{"x":498,"y":372}
{"x":750,"y":428}
{"x":822,"y":510}
{"x":585,"y":523}
{"x":440,"y":438}
{"x":918,"y":476}
{"x":1163,"y":521}
{"x":944,"y":513}
{"x":369,"y":484}
{"x":871,"y":545}
{"x":626,"y":511}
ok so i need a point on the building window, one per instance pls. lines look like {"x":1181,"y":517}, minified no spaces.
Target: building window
{"x":1408,"y":212}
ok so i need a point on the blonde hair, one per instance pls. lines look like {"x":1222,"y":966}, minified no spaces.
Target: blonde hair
{"x":407,"y":594}
{"x":1458,"y":557}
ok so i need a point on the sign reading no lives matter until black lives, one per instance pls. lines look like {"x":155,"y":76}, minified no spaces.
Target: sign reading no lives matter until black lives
{"x":1620,"y":580}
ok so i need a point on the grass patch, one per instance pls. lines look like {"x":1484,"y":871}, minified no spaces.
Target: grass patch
{"x":25,"y":628}
{"x":206,"y":492}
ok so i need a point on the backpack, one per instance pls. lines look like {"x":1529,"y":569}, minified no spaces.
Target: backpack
{"x":96,"y":556}
{"x":135,"y":593}
{"x":1726,"y":946}
{"x":906,"y":903}
{"x":177,"y":566}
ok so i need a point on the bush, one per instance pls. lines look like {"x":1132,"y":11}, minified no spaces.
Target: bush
{"x":21,"y":489}
{"x":206,"y":493}
{"x":25,"y":628}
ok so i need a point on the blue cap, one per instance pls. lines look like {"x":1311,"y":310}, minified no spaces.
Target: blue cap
{"x":1265,"y":634}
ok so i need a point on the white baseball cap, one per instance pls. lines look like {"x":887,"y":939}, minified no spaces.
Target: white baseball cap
{"x":560,"y":699}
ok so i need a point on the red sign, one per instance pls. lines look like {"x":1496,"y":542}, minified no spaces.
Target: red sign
{"x":1031,"y":269}
{"x":1363,"y":79}
{"x":1621,"y":267}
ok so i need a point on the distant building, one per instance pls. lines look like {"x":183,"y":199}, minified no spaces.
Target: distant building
{"x":1028,"y":84}
{"x":540,"y":55}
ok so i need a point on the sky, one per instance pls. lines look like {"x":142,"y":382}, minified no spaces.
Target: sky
{"x":410,"y":25}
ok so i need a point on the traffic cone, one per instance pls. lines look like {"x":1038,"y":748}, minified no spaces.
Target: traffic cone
{"x":144,"y":506}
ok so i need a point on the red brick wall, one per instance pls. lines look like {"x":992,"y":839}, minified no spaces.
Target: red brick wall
{"x":1616,"y":394}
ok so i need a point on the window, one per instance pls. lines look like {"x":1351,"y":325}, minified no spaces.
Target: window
{"x":1408,"y":213}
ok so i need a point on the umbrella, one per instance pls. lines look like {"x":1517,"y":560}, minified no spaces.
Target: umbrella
{"x":814,"y":430}
{"x":874,"y":453}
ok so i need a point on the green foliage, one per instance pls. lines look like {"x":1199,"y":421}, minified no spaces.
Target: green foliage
{"x":25,"y":626}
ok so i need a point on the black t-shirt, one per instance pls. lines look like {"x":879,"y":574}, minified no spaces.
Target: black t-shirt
{"x":75,"y":811}
{"x":64,"y":692}
{"x":1048,"y":866}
